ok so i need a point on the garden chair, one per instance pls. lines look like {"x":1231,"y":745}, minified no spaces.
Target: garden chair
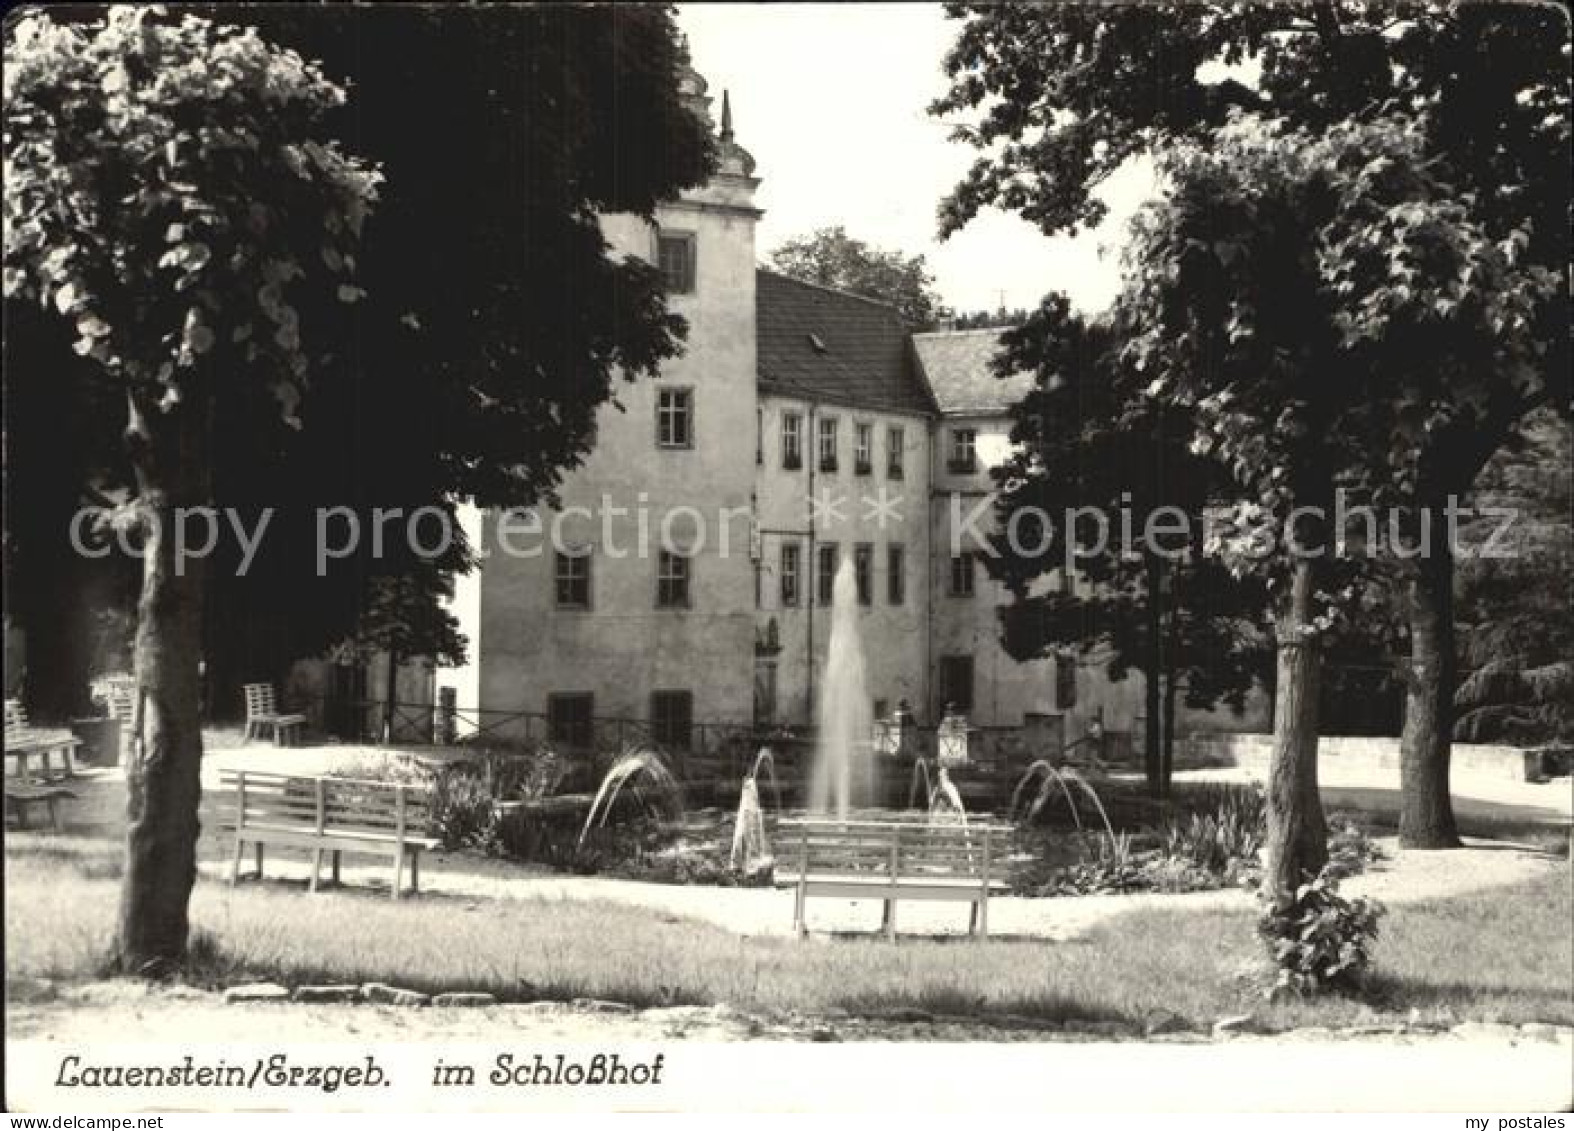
{"x":263,"y":717}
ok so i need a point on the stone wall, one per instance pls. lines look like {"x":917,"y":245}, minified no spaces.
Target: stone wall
{"x":1252,"y":751}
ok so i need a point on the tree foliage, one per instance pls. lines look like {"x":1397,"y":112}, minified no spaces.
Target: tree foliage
{"x":497,"y":327}
{"x":1516,"y":627}
{"x":1088,"y":442}
{"x":832,"y":258}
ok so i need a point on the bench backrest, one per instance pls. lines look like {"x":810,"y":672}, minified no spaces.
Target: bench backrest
{"x":260,"y":701}
{"x":327,"y":804}
{"x":894,"y":849}
{"x":119,"y":693}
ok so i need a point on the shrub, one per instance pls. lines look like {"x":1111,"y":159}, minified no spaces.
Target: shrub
{"x":1223,"y":841}
{"x":1317,"y":939}
{"x":464,"y":813}
{"x":1349,"y":852}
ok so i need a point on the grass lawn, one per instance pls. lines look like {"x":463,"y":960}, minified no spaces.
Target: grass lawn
{"x":1501,"y":955}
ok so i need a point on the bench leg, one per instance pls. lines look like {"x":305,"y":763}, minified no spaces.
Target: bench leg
{"x":335,"y":867}
{"x":983,"y":917}
{"x":415,"y":872}
{"x":259,"y":859}
{"x":235,"y":860}
{"x":398,"y":876}
{"x":890,"y":920}
{"x":316,"y":869}
{"x":972,"y":919}
{"x":799,"y":926}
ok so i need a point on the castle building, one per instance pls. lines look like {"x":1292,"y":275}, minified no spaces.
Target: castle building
{"x":802,"y":427}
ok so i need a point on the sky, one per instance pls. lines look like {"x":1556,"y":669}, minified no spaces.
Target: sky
{"x":831,"y":101}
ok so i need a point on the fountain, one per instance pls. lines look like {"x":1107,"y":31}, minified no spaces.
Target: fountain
{"x":921,"y":773}
{"x":841,"y":776}
{"x":632,"y":764}
{"x":751,"y":849}
{"x":946,"y":800}
{"x":1052,"y":777}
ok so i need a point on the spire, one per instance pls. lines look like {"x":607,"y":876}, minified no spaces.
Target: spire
{"x":734,"y":159}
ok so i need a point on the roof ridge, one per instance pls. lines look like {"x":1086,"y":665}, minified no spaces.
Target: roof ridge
{"x":996,"y":330}
{"x":829,"y":290}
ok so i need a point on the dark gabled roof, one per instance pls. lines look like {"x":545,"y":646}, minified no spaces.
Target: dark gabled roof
{"x":829,"y":345}
{"x":955,"y":364}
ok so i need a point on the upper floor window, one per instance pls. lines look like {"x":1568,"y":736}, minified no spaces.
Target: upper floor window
{"x":863,"y":448}
{"x":895,"y":574}
{"x":789,"y":574}
{"x":827,"y":573}
{"x":863,"y":570}
{"x":675,"y":418}
{"x":895,"y":442}
{"x":672,"y":581}
{"x":792,"y":441}
{"x":961,"y":581}
{"x":1065,"y":679}
{"x":827,"y":443}
{"x":964,"y":450}
{"x":675,"y":257}
{"x":573,"y":580}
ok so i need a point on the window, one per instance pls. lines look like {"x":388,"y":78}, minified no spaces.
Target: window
{"x":863,"y":449}
{"x":828,"y":443}
{"x":672,"y":581}
{"x":964,"y":450}
{"x":895,"y":575}
{"x":790,"y":574}
{"x":863,"y":570}
{"x":569,"y":718}
{"x":792,"y":441}
{"x":956,"y":684}
{"x":894,"y":453}
{"x":675,"y":257}
{"x":1065,"y":680}
{"x":827,"y":578}
{"x":675,"y":418}
{"x":672,"y":718}
{"x":573,"y":580}
{"x":961,"y":576}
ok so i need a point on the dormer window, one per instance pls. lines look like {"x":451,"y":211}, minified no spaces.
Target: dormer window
{"x":675,"y":257}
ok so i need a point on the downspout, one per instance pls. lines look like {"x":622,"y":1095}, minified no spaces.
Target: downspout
{"x":930,"y":563}
{"x":810,"y":447}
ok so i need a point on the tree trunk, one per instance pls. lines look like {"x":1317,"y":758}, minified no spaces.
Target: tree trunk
{"x":1297,"y":832}
{"x":1167,"y":755}
{"x":1426,"y":813}
{"x":163,"y":773}
{"x":1152,"y":756}
{"x":390,"y":694}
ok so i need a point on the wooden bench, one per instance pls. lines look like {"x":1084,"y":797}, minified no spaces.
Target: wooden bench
{"x":24,"y":742}
{"x":890,"y":861}
{"x":331,"y":815}
{"x":21,"y":796}
{"x":262,"y":715}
